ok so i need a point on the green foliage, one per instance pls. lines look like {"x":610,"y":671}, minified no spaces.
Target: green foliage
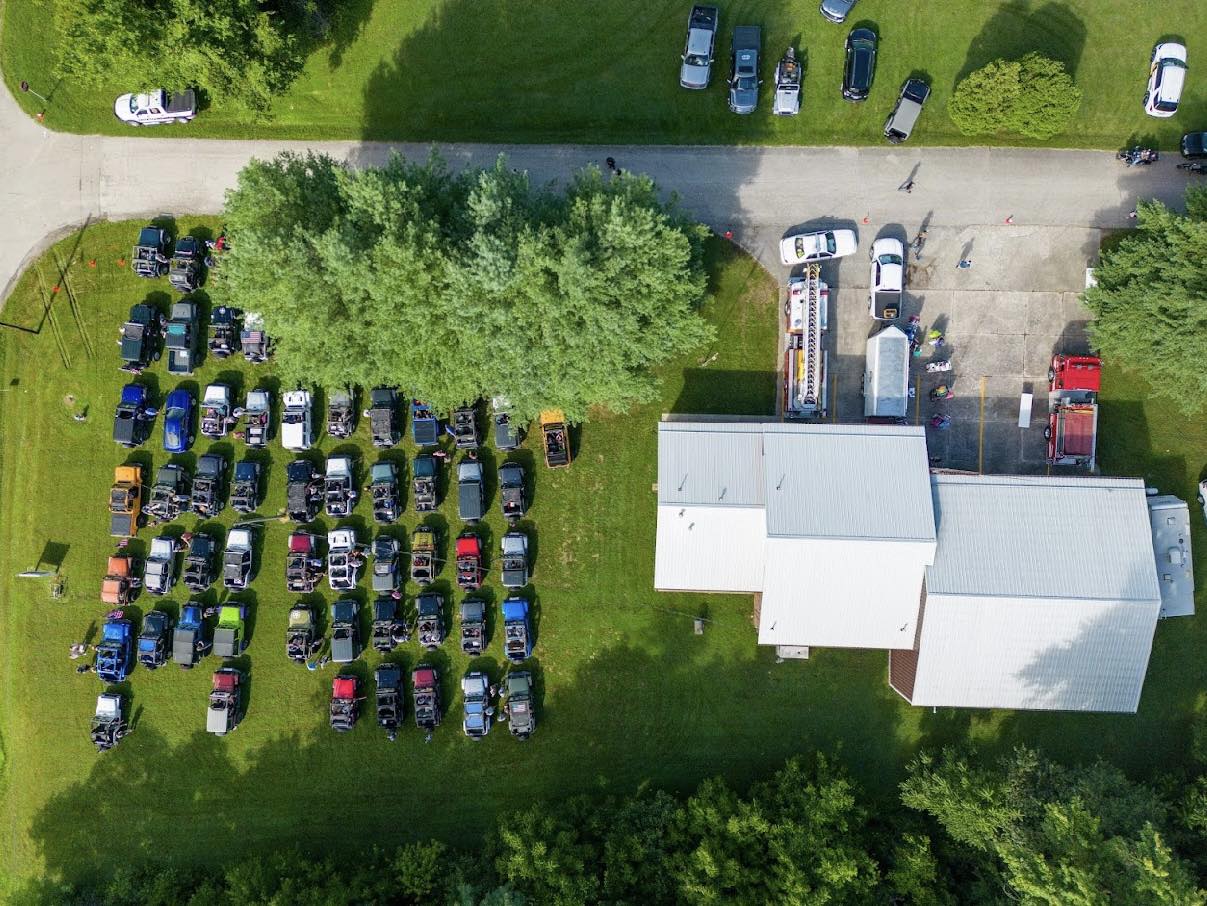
{"x":235,"y":51}
{"x":1056,"y":835}
{"x":456,"y":287}
{"x":1034,"y":96}
{"x":1151,"y":300}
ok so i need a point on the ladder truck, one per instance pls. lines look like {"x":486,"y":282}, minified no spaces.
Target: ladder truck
{"x":805,"y":359}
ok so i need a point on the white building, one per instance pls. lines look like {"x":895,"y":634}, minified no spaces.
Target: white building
{"x":988,"y":591}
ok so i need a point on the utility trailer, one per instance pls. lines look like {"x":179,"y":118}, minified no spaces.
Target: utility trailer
{"x":805,"y":359}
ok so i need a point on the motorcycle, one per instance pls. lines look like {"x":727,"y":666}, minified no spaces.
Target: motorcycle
{"x":942,"y":392}
{"x":1196,"y":167}
{"x":1139,"y":156}
{"x":940,"y":422}
{"x":937,"y":367}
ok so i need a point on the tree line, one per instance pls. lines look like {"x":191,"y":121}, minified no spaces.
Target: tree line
{"x":967,"y":829}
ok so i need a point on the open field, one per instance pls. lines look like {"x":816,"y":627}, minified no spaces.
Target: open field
{"x":629,"y":696}
{"x":528,"y":71}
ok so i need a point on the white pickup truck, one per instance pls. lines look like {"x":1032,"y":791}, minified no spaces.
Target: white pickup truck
{"x":156,"y":107}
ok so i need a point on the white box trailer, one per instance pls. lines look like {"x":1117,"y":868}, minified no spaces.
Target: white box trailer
{"x":886,"y":375}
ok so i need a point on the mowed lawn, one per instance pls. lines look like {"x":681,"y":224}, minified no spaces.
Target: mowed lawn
{"x":628,"y":695}
{"x":574,"y":71}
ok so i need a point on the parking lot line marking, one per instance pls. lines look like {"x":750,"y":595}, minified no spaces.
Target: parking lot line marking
{"x":834,"y":398}
{"x":917,"y":399}
{"x":981,"y":432}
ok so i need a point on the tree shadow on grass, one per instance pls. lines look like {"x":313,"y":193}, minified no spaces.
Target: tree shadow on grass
{"x":1018,"y":28}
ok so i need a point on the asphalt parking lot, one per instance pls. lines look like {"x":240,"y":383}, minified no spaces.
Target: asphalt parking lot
{"x":1002,"y":320}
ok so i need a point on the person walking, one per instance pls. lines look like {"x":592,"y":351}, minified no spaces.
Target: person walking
{"x":907,"y":187}
{"x":964,"y":264}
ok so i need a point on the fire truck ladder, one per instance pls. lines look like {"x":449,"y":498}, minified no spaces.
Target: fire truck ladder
{"x":809,"y":374}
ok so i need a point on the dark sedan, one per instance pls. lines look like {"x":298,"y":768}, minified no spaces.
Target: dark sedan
{"x":1194,"y":145}
{"x":861,"y":64}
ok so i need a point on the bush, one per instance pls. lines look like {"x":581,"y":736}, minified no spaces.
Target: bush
{"x":1033,"y":96}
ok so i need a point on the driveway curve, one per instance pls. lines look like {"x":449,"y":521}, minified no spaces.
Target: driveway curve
{"x":53,"y":182}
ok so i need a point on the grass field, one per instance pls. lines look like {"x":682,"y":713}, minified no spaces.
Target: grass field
{"x":628,"y":695}
{"x":573,"y":71}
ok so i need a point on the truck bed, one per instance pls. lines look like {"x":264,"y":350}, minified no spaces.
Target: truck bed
{"x":1072,"y":433}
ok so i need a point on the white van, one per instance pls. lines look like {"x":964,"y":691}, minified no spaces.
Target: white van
{"x":1166,"y":77}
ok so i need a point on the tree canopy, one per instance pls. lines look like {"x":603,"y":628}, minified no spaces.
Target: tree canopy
{"x":239,"y":52}
{"x":1034,"y":96}
{"x":453,"y":287}
{"x":1150,"y":304}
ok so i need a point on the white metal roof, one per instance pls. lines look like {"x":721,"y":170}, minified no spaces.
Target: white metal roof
{"x":842,"y":593}
{"x":709,"y":548}
{"x":848,"y":481}
{"x":886,"y":378}
{"x":710,"y":464}
{"x":1067,"y":655}
{"x":1169,"y":519}
{"x":1042,"y":537}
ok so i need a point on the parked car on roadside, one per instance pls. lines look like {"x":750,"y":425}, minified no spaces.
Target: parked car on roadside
{"x":860,"y":66}
{"x":744,"y":69}
{"x":698,"y":51}
{"x":900,"y":122}
{"x":1166,"y":78}
{"x":887,"y":279}
{"x":1194,"y":145}
{"x":156,"y":107}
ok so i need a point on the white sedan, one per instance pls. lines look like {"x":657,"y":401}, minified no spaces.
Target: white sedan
{"x":800,"y":248}
{"x":887,"y":280}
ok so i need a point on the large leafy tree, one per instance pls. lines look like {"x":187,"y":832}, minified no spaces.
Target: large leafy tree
{"x":1041,"y":833}
{"x":458,"y":286}
{"x":238,"y":52}
{"x":1034,"y":96}
{"x":1151,"y":300}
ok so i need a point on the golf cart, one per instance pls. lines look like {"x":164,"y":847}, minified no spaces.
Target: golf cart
{"x":256,"y":345}
{"x":344,"y":560}
{"x":465,"y":428}
{"x":429,"y":625}
{"x":216,"y":411}
{"x":303,"y":565}
{"x":108,"y":723}
{"x":224,"y":332}
{"x":475,"y":692}
{"x":473,"y":626}
{"x":383,"y":416}
{"x":518,"y":704}
{"x":299,"y":636}
{"x":169,"y":495}
{"x":159,"y":571}
{"x":258,"y":411}
{"x":199,"y":563}
{"x":245,"y":489}
{"x":153,"y":640}
{"x":189,"y":641}
{"x":120,"y":585}
{"x":125,"y":501}
{"x":341,"y":416}
{"x":345,"y":631}
{"x":388,"y":630}
{"x":345,"y":703}
{"x":156,"y":107}
{"x":425,"y":687}
{"x":515,"y":559}
{"x":223,"y":713}
{"x":149,"y":258}
{"x":339,"y":492}
{"x":425,"y":427}
{"x":208,"y":497}
{"x":297,"y":432}
{"x":303,"y":491}
{"x":555,"y":435}
{"x":236,"y":559}
{"x":517,"y":639}
{"x":383,"y":488}
{"x":385,"y":564}
{"x":423,"y":555}
{"x":388,"y":678}
{"x":471,"y":492}
{"x":512,"y":496}
{"x":423,"y":486}
{"x":469,"y":561}
{"x":184,"y":270}
{"x":139,"y":338}
{"x":787,"y":85}
{"x":507,"y":433}
{"x":131,"y":424}
{"x":115,"y":650}
{"x":180,"y":337}
{"x":229,"y":637}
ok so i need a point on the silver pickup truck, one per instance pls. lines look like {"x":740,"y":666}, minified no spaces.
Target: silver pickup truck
{"x":698,"y":52}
